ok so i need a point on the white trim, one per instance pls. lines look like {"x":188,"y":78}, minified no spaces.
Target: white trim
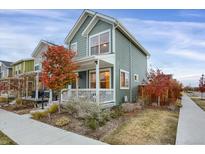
{"x":121,"y":70}
{"x":100,"y":70}
{"x":98,"y":34}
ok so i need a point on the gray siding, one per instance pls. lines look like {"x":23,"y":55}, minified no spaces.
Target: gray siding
{"x":81,"y":40}
{"x":122,"y":62}
{"x":128,"y":58}
{"x":99,"y":27}
{"x":138,"y":66}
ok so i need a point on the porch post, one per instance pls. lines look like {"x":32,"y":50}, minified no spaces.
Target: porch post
{"x":50,"y":96}
{"x":77,"y":85}
{"x":97,"y":81}
{"x":26,"y":87}
{"x":37,"y":80}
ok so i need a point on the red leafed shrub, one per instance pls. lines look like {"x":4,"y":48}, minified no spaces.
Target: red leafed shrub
{"x":162,"y":86}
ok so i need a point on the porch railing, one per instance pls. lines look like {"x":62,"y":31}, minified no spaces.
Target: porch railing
{"x":105,"y":95}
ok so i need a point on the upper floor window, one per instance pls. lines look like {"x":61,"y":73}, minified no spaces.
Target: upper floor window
{"x":74,"y":46}
{"x":100,"y":43}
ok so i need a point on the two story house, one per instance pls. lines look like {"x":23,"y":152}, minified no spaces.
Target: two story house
{"x":23,"y":69}
{"x":112,"y":62}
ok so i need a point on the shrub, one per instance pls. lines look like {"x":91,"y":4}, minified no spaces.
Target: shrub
{"x":53,"y":108}
{"x":82,"y":108}
{"x":39,"y":114}
{"x":116,"y":112}
{"x":62,"y":121}
{"x":19,"y":101}
{"x":92,"y":123}
{"x":105,"y":114}
{"x":179,"y":104}
{"x":3,"y":100}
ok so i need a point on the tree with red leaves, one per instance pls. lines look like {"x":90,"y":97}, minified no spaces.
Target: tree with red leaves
{"x":202,"y":85}
{"x":158,"y":84}
{"x":58,"y":68}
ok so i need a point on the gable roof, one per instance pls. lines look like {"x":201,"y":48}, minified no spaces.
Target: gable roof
{"x":40,"y":43}
{"x":6,"y":63}
{"x":98,"y":16}
{"x":21,"y":60}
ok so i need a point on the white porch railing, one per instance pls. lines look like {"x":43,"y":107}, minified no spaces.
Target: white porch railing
{"x":105,"y":95}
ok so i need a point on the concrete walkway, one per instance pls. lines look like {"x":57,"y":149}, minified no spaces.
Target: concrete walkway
{"x":24,"y":130}
{"x":191,"y":125}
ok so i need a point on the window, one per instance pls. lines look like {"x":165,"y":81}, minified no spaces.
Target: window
{"x":105,"y":79}
{"x":136,"y":77}
{"x":37,"y":67}
{"x":74,"y":46}
{"x":124,"y":79}
{"x":100,"y":43}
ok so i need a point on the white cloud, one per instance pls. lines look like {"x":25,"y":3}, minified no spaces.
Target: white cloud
{"x":194,"y":55}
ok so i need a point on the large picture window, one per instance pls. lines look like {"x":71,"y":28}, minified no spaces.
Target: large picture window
{"x":124,"y":79}
{"x":105,"y":79}
{"x":100,"y":43}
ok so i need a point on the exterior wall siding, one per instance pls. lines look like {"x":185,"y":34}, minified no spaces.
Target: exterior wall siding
{"x":81,"y":40}
{"x":128,"y":58}
{"x":122,"y":62}
{"x":139,"y":66}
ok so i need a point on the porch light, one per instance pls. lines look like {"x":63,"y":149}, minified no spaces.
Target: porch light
{"x":104,"y":45}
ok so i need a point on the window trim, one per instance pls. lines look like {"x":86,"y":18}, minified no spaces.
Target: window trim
{"x":103,"y":69}
{"x":74,"y":43}
{"x":137,"y":75}
{"x":98,"y":34}
{"x":121,"y":87}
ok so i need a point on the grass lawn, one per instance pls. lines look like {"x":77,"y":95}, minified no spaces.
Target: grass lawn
{"x":151,"y":126}
{"x":4,"y":140}
{"x":199,"y":102}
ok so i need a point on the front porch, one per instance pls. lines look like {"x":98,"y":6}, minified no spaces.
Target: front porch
{"x":95,"y":80}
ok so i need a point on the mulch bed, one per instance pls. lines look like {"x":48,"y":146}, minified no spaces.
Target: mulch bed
{"x":18,"y":109}
{"x":78,"y":125}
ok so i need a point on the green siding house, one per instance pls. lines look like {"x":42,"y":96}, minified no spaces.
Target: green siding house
{"x":22,"y":66}
{"x":112,"y":62}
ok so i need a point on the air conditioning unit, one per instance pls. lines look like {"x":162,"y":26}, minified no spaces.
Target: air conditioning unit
{"x":125,"y":99}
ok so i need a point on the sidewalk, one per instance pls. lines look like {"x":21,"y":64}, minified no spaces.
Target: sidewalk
{"x":191,"y":125}
{"x":26,"y":131}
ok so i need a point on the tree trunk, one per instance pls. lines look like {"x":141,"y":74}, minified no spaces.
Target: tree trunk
{"x":59,"y":103}
{"x":158,"y":101}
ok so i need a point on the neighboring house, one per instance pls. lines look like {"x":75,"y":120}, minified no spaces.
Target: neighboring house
{"x":112,"y":62}
{"x":5,"y":69}
{"x":23,"y":69}
{"x":37,"y":56}
{"x":23,"y":66}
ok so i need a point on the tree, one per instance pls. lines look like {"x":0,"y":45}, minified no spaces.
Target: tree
{"x":58,"y":68}
{"x":202,"y":85}
{"x":158,"y":84}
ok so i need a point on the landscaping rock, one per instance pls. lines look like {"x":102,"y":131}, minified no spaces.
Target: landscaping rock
{"x":171,"y":107}
{"x":154,"y":104}
{"x":128,"y":107}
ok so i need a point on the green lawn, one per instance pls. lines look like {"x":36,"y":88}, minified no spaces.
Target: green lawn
{"x":199,"y":102}
{"x":151,"y":126}
{"x":4,"y":140}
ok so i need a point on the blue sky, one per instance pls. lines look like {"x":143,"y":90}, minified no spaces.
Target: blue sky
{"x":175,"y":38}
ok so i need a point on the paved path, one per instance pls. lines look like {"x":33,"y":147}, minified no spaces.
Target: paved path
{"x":24,"y":130}
{"x":191,"y":125}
